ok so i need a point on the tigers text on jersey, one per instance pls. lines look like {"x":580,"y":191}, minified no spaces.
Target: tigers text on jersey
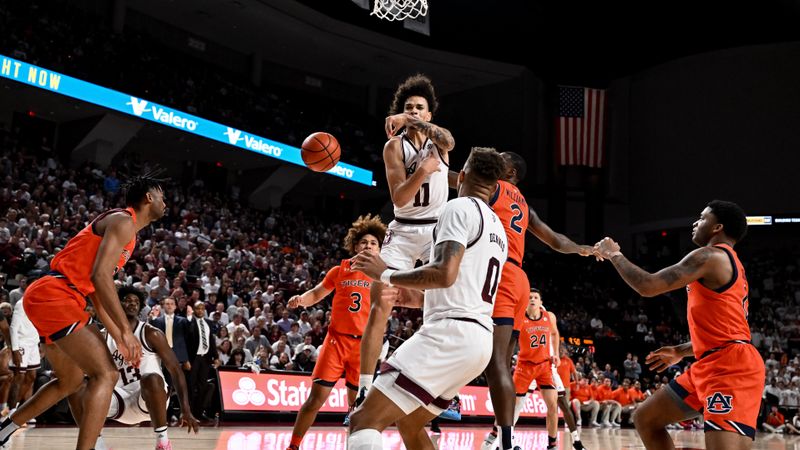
{"x":719,"y":316}
{"x":129,"y":376}
{"x":534,"y":338}
{"x":470,"y":222}
{"x":510,"y":206}
{"x":350,"y":308}
{"x":432,"y":194}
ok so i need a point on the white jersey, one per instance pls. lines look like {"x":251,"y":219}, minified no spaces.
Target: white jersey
{"x":23,"y":333}
{"x":129,"y":376}
{"x":432,"y":194}
{"x":470,"y":222}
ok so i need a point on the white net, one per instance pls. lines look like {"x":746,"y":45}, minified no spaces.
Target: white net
{"x":399,"y":9}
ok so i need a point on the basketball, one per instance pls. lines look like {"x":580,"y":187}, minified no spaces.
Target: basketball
{"x":320,"y":151}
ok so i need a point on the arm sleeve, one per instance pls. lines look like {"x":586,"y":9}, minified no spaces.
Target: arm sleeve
{"x":329,"y":282}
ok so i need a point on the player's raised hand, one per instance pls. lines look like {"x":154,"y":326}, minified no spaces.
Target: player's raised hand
{"x":406,"y":298}
{"x":395,"y":123}
{"x":369,"y":264}
{"x":294,"y":302}
{"x":662,"y":358}
{"x":606,"y":248}
{"x":430,"y":164}
{"x":187,"y":420}
{"x":130,"y":349}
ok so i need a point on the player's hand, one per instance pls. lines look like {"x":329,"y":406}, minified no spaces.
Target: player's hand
{"x":662,"y":358}
{"x":555,"y":360}
{"x":293,"y":302}
{"x":130,"y":348}
{"x":187,"y":420}
{"x":187,"y":366}
{"x":406,"y":298}
{"x":369,"y":264}
{"x":588,"y":250}
{"x":395,"y":123}
{"x":16,"y":358}
{"x":430,"y":164}
{"x":607,"y":248}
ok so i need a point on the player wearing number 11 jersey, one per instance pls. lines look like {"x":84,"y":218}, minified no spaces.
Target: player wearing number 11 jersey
{"x":341,"y":352}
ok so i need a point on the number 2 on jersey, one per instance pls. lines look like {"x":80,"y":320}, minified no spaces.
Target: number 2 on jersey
{"x":514,"y":224}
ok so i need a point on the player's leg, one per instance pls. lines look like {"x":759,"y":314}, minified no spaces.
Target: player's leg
{"x":569,"y":419}
{"x":308,"y":412}
{"x":498,"y":375}
{"x":550,"y":397}
{"x":367,"y":422}
{"x":727,"y":440}
{"x":412,"y":429}
{"x":664,"y":407}
{"x":154,"y":394}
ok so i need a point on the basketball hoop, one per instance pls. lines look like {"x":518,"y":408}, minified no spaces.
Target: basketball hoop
{"x":399,"y":9}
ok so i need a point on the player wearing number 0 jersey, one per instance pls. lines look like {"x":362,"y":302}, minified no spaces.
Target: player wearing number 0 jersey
{"x":416,"y":158}
{"x":726,"y":382}
{"x":454,"y":343}
{"x":341,"y":352}
{"x":512,"y":296}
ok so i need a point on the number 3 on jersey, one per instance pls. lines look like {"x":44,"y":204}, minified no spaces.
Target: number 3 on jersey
{"x":356,"y":306}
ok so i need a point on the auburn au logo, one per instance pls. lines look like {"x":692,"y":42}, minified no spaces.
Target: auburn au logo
{"x":719,"y":404}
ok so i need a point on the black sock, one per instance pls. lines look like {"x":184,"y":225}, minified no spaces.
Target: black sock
{"x":505,"y":437}
{"x":551,"y":441}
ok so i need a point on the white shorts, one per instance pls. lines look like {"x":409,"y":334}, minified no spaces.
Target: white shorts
{"x":405,"y":244}
{"x":559,"y":385}
{"x":31,"y":360}
{"x":429,"y":369}
{"x":128,"y":405}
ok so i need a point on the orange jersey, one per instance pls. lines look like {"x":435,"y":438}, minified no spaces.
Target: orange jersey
{"x":350,"y":309}
{"x":76,"y":260}
{"x":717,"y":317}
{"x":510,"y":206}
{"x":534,"y":338}
{"x":623,"y":397}
{"x":603,"y":392}
{"x":582,"y":393}
{"x":565,"y":369}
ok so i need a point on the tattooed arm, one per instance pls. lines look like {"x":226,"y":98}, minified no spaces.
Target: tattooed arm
{"x":439,"y":135}
{"x":692,"y":267}
{"x":441,"y":272}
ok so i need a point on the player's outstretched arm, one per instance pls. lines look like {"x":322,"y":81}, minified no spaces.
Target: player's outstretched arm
{"x":159,"y":343}
{"x":439,"y":135}
{"x":402,"y":187}
{"x":310,"y":297}
{"x":661,"y":359}
{"x":440,"y":272}
{"x":556,"y":241}
{"x":117,"y":230}
{"x":692,"y":267}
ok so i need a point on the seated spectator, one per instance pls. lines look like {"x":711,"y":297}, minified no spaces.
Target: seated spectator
{"x":281,"y":361}
{"x":294,"y":338}
{"x":303,"y":361}
{"x":237,"y":358}
{"x":224,"y":350}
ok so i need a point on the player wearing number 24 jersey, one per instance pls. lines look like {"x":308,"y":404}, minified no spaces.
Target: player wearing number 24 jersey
{"x":727,"y":380}
{"x":341,"y":352}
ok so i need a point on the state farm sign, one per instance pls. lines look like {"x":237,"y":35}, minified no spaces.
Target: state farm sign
{"x":245,"y":391}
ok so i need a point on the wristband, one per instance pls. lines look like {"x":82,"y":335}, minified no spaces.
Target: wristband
{"x":386,"y":276}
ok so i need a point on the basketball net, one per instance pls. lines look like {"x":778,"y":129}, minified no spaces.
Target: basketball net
{"x":399,"y":9}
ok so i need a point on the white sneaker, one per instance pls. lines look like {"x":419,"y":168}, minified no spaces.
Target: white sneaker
{"x":488,"y":442}
{"x":595,"y":425}
{"x":578,"y":423}
{"x":606,"y":424}
{"x":615,"y":424}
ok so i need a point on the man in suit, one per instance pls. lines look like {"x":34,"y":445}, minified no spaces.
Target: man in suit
{"x":202,"y":349}
{"x":176,"y":329}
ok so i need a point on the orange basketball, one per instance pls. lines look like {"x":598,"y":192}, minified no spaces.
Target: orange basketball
{"x":320,"y":151}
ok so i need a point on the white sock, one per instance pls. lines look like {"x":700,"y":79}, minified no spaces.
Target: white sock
{"x":7,"y":427}
{"x":575,"y":436}
{"x":365,"y":440}
{"x":100,"y":444}
{"x":161,"y":435}
{"x":518,"y":408}
{"x":365,"y":381}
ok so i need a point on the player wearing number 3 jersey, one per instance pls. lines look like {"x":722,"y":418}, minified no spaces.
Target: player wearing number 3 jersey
{"x":341,"y":352}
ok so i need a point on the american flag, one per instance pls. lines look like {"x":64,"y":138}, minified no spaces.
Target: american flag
{"x":580,"y":135}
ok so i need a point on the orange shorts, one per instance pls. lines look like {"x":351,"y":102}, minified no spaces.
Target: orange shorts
{"x":726,"y":386}
{"x":513,"y":296}
{"x":54,"y":308}
{"x":527,"y":372}
{"x":340,"y":354}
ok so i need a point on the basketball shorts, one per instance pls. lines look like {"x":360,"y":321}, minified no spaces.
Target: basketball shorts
{"x":31,"y":360}
{"x":55,"y":308}
{"x":526,"y":374}
{"x":128,"y":405}
{"x":513,"y":296}
{"x":404,"y":244}
{"x":340,"y":354}
{"x":429,"y":369}
{"x":726,"y":387}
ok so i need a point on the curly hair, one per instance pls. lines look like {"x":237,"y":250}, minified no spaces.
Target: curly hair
{"x":364,"y":225}
{"x":485,"y":164}
{"x":125,"y":290}
{"x":415,"y":86}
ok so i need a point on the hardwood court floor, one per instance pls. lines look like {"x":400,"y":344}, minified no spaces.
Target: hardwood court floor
{"x":333,"y":438}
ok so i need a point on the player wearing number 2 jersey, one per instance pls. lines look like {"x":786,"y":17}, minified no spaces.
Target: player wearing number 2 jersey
{"x":341,"y":352}
{"x":512,"y":296}
{"x":726,"y":382}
